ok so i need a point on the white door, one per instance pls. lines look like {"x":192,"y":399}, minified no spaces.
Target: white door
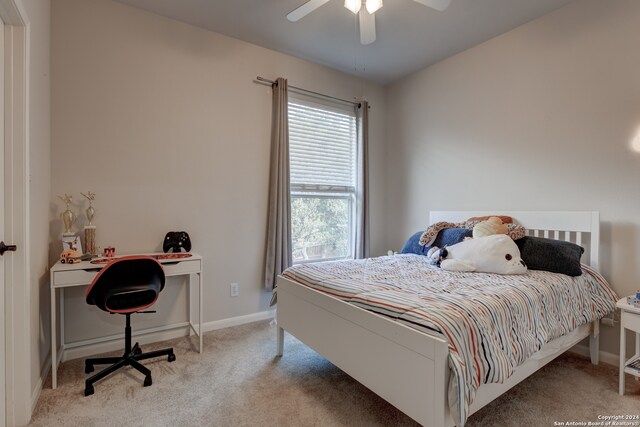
{"x":15,"y":396}
{"x":3,"y":415}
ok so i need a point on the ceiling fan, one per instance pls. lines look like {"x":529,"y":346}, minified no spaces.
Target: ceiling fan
{"x":366,"y":15}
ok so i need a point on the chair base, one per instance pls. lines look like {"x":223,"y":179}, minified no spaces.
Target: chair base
{"x":130,"y":358}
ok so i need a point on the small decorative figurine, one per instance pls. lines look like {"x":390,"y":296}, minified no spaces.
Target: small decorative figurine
{"x":68,"y":217}
{"x":70,"y":256}
{"x":90,"y":211}
{"x":109,"y":252}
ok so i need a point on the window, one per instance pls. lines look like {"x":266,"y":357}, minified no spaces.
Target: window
{"x":322,"y":157}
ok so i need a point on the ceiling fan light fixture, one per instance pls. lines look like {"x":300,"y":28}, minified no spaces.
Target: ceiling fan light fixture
{"x":367,"y":21}
{"x":373,"y":5}
{"x":353,"y":5}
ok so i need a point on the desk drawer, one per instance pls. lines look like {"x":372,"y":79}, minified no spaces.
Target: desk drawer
{"x":182,"y":267}
{"x":85,"y":277}
{"x":631,"y":321}
{"x":73,"y":278}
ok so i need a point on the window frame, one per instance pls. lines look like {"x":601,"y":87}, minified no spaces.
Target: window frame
{"x":349,"y":193}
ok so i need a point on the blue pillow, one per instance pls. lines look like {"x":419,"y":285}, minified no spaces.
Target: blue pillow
{"x":446,"y":237}
{"x":412,"y":246}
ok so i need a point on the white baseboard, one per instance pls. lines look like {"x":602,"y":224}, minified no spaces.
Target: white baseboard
{"x":605,"y":356}
{"x":239,"y":320}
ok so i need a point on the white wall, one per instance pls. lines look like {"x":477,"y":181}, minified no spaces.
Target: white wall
{"x":163,"y":122}
{"x":540,"y":118}
{"x":39,"y":14}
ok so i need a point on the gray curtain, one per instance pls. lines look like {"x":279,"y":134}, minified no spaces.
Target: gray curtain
{"x":362,"y":210}
{"x":278,"y":249}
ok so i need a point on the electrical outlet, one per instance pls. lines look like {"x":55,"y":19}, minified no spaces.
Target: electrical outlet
{"x":235,"y":290}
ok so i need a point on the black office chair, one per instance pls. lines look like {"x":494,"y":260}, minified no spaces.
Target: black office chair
{"x":125,"y":286}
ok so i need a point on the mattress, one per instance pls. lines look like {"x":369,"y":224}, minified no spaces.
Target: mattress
{"x":493,"y":323}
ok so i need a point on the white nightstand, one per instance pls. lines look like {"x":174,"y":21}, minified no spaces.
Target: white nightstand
{"x":630,"y":319}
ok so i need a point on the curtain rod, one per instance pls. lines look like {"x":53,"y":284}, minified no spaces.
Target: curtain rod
{"x":264,"y":81}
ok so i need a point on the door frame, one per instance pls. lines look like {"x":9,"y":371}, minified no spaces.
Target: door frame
{"x":16,"y":171}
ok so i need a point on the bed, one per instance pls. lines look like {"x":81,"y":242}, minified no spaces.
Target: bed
{"x":410,"y":367}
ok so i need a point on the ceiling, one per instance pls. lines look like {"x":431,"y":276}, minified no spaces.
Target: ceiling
{"x":409,"y":36}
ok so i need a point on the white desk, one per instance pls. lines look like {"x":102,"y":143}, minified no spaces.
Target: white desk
{"x":82,"y":274}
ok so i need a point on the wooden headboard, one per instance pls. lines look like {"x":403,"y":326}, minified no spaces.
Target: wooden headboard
{"x":580,"y":227}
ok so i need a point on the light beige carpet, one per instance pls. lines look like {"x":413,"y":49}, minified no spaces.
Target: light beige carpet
{"x":237,"y":381}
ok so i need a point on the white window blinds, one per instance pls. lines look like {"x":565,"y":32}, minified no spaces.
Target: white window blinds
{"x":322,"y":147}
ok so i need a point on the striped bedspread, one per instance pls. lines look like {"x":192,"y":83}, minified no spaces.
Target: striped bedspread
{"x":493,"y":323}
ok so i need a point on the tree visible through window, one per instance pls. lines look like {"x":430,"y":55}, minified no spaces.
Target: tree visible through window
{"x":322,"y":153}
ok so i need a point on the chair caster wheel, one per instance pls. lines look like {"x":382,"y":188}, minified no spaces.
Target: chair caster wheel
{"x":171,"y":357}
{"x":88,"y":391}
{"x":147,"y":381}
{"x":88,"y":369}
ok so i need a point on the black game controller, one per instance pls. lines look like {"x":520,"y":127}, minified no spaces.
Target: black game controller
{"x":174,"y":241}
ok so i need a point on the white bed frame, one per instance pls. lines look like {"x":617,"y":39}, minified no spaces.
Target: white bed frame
{"x":409,"y":368}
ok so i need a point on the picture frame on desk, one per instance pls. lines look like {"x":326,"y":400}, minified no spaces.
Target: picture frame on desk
{"x":72,"y":242}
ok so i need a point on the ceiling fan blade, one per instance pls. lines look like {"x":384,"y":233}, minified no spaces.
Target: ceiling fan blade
{"x":367,"y":27}
{"x":305,"y":9}
{"x":438,"y":5}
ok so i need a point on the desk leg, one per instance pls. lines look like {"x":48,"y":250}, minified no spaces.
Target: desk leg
{"x":637,"y":350}
{"x":61,"y":311}
{"x":623,"y":345}
{"x":54,"y":339}
{"x":200,"y":280}
{"x":280,"y":341}
{"x":189,"y":304}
